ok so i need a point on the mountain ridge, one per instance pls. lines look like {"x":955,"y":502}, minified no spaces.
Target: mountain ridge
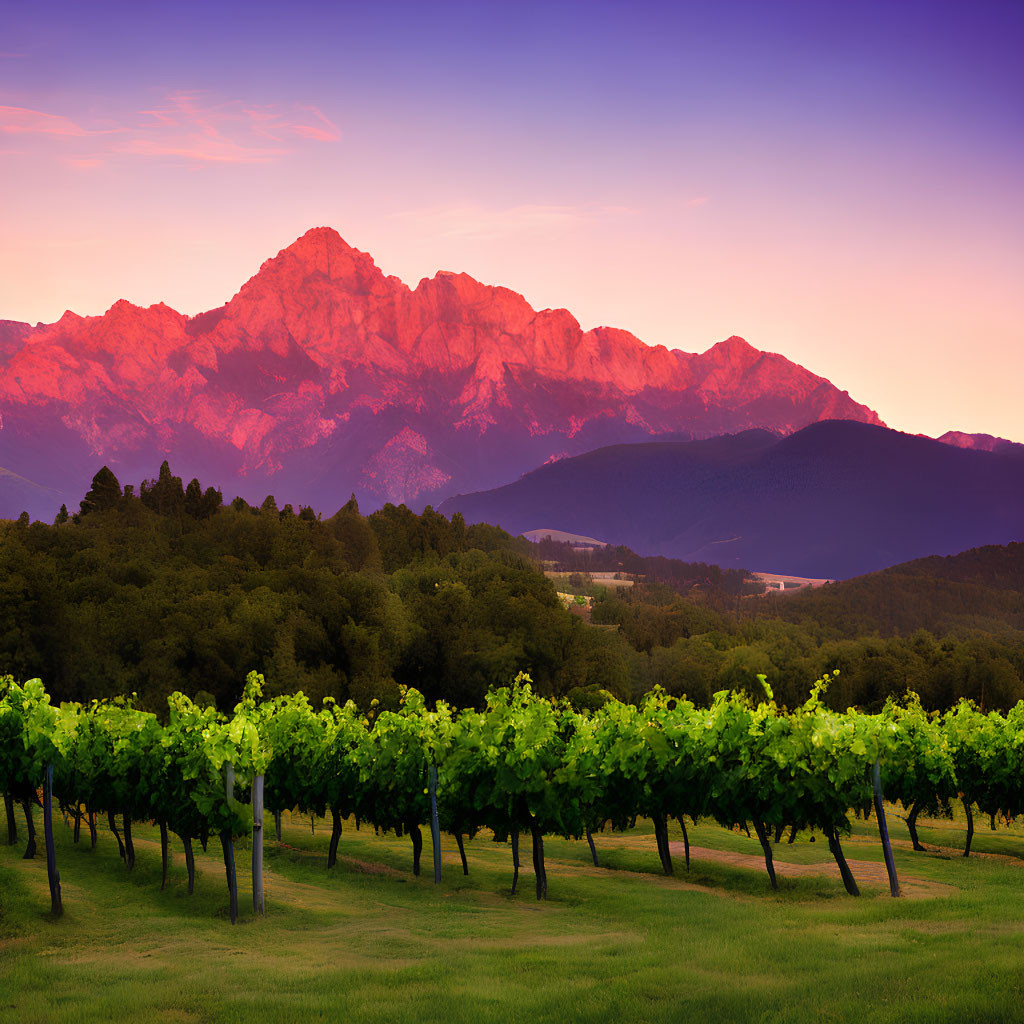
{"x":981,"y":442}
{"x":833,"y":500}
{"x":323,"y":376}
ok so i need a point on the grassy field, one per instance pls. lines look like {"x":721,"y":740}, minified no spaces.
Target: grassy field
{"x":370,"y":942}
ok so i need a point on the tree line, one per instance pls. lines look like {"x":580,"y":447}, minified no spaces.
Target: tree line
{"x":168,"y":587}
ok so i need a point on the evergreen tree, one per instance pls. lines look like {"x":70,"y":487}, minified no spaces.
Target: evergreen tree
{"x":458,"y":530}
{"x":165,"y":495}
{"x":194,"y":500}
{"x":62,"y":516}
{"x":212,"y":501}
{"x":105,"y":493}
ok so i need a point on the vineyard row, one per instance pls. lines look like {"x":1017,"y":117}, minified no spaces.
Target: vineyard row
{"x":522,"y":764}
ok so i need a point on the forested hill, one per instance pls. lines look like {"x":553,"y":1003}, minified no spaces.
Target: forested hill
{"x":997,"y":566}
{"x":980,"y":589}
{"x":164,"y":587}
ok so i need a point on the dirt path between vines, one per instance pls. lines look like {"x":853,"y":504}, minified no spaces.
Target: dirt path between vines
{"x":866,"y":872}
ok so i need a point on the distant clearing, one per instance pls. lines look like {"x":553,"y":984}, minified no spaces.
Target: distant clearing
{"x":777,"y":583}
{"x":576,"y":539}
{"x":603,"y":579}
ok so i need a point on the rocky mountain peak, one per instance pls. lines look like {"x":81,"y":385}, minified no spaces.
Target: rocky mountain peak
{"x":323,"y":375}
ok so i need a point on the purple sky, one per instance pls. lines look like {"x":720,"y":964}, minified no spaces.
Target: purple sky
{"x":842,"y":183}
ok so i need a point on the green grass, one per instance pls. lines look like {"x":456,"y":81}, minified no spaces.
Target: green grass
{"x":369,"y":942}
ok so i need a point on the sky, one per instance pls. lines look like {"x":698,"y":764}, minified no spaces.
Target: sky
{"x":842,"y":183}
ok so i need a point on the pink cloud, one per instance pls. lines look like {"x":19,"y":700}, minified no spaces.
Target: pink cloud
{"x":21,"y":120}
{"x":326,"y":131}
{"x":190,"y":127}
{"x":263,"y":121}
{"x":193,"y":130}
{"x":228,"y":132}
{"x":161,"y":119}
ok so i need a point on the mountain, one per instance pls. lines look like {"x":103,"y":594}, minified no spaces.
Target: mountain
{"x":12,"y":337}
{"x":322,"y":376}
{"x":833,"y":500}
{"x":981,"y":442}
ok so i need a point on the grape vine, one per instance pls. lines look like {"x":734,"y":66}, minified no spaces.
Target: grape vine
{"x":521,"y":764}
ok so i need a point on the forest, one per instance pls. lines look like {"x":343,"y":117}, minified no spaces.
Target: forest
{"x":166,"y":588}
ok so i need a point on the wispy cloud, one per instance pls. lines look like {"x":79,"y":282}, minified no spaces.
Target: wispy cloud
{"x":23,"y":121}
{"x":697,"y":201}
{"x":473,"y":220}
{"x":187,"y":126}
{"x":323,"y":131}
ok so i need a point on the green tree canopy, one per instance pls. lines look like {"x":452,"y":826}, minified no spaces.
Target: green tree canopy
{"x":104,"y":493}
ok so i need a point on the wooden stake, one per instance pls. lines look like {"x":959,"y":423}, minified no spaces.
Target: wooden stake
{"x":435,"y":828}
{"x":228,"y":846}
{"x":515,"y":860}
{"x":538,"y":861}
{"x":258,"y":905}
{"x":56,"y":907}
{"x":163,"y":854}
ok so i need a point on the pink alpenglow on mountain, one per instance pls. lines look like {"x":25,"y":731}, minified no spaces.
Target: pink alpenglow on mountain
{"x":322,"y":376}
{"x":980,"y":442}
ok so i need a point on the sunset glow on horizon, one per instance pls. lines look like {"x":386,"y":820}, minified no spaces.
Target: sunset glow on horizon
{"x":842,"y":184}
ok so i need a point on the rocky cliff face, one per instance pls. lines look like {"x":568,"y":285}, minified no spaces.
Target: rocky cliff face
{"x":322,"y":376}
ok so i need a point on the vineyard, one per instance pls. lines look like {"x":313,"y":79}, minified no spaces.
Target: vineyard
{"x":521,"y":765}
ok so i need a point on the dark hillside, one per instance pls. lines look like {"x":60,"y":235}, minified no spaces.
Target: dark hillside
{"x":834,"y":500}
{"x":980,"y":589}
